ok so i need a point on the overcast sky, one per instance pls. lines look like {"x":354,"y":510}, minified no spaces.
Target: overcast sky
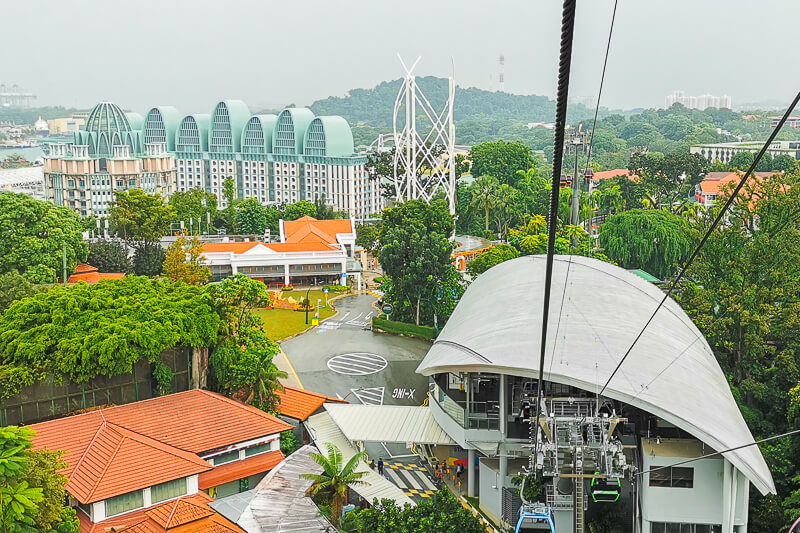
{"x":270,"y":53}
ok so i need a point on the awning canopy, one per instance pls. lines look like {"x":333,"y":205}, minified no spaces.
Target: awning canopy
{"x":324,"y":430}
{"x":388,"y":423}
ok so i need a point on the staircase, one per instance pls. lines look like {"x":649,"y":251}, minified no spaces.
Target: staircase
{"x":579,"y":492}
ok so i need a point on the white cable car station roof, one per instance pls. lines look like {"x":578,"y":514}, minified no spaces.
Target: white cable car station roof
{"x":671,"y":372}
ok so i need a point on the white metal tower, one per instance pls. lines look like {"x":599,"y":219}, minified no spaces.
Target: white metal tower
{"x":502,"y":74}
{"x":421,"y":166}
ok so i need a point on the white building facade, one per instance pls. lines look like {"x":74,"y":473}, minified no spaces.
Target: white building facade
{"x":704,"y":101}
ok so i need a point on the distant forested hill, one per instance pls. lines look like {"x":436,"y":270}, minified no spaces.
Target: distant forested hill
{"x":480,"y":115}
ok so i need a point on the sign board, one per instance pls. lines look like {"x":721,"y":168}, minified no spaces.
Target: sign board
{"x":387,"y":308}
{"x":325,"y":290}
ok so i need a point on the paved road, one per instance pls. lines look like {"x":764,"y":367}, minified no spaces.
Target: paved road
{"x":342,"y":357}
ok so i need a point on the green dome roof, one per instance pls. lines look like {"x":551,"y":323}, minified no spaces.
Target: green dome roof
{"x":107,"y":118}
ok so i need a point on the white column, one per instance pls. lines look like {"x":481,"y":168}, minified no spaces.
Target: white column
{"x":286,"y":274}
{"x":471,"y":473}
{"x":503,"y":411}
{"x":727,"y":503}
{"x":234,"y":269}
{"x":358,"y":275}
{"x":503,"y":472}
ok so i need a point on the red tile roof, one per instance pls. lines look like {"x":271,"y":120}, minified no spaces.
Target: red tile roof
{"x":89,"y":274}
{"x":240,"y":469}
{"x":715,"y":181}
{"x":302,"y":247}
{"x":309,"y":229}
{"x":189,"y":514}
{"x":235,"y":247}
{"x":115,"y":450}
{"x":608,"y":174}
{"x":300,"y":404}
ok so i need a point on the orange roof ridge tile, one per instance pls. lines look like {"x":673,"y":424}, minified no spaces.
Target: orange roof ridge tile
{"x":99,"y":478}
{"x":86,"y":450}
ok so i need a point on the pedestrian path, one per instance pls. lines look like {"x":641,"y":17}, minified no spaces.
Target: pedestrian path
{"x":412,"y":481}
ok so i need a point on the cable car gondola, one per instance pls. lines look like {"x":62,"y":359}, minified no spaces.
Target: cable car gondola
{"x":605,"y":489}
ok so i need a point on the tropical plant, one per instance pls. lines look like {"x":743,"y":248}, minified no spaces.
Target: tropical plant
{"x":441,"y":513}
{"x":483,"y":192}
{"x":335,"y":479}
{"x":109,"y":256}
{"x":35,"y":235}
{"x":491,"y":257}
{"x":183,"y":261}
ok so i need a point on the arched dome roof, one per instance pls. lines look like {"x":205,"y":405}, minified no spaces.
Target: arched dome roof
{"x":290,"y":130}
{"x":160,"y":125}
{"x":257,"y":134}
{"x":227,"y":122}
{"x":108,"y":118}
{"x":192,"y":134}
{"x":329,"y":136}
{"x":594,"y":317}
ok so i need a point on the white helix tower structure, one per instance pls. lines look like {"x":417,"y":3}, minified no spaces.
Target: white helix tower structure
{"x":424,"y":158}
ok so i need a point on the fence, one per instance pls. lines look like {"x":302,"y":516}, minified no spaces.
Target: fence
{"x":48,"y":399}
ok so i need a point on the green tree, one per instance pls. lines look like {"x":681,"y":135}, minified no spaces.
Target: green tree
{"x":32,"y":491}
{"x":33,"y":235}
{"x":335,"y":480}
{"x":148,"y":260}
{"x":183,"y":261}
{"x":83,"y":331}
{"x":507,"y":208}
{"x":415,"y":254}
{"x":483,"y":192}
{"x":667,"y":177}
{"x":300,"y":209}
{"x":140,"y":218}
{"x":502,"y":160}
{"x":195,"y":205}
{"x":491,"y":257}
{"x":236,"y":298}
{"x":631,"y":192}
{"x":741,"y":161}
{"x":653,"y":240}
{"x":441,"y":513}
{"x":367,"y":236}
{"x":783,"y":163}
{"x":535,"y":192}
{"x":15,"y":287}
{"x":109,"y":256}
{"x":253,"y":218}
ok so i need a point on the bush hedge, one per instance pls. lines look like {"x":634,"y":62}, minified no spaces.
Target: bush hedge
{"x":390,"y":326}
{"x":336,"y":288}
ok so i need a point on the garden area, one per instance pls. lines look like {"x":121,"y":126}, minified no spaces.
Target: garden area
{"x":281,"y":323}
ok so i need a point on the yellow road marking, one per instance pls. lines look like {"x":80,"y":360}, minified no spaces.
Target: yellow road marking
{"x":291,"y":368}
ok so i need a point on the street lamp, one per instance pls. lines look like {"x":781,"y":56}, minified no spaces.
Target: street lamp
{"x":306,"y":303}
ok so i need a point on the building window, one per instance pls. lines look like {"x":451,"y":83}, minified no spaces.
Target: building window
{"x":672,"y":527}
{"x":168,"y":490}
{"x":677,"y":477}
{"x":226,"y":458}
{"x":258,"y":449}
{"x":124,"y":503}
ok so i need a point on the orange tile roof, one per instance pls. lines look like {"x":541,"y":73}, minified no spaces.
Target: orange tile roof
{"x":89,"y":274}
{"x":300,"y":404}
{"x":189,"y":514}
{"x":302,"y":247}
{"x":116,"y":457}
{"x":715,"y":181}
{"x":235,"y":247}
{"x":608,"y":174}
{"x":240,"y":469}
{"x":194,"y":421}
{"x":309,"y":229}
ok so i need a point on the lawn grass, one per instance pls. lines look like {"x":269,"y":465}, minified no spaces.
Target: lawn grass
{"x":280,"y":324}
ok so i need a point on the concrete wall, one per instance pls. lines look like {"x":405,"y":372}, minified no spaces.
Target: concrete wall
{"x":701,"y":504}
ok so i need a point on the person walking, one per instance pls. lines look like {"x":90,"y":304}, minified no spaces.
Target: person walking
{"x":380,"y":465}
{"x":458,"y":471}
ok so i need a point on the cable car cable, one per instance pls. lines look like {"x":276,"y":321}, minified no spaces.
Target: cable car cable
{"x":714,"y":225}
{"x":564,"y":64}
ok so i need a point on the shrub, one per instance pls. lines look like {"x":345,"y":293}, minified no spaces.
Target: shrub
{"x":402,"y":328}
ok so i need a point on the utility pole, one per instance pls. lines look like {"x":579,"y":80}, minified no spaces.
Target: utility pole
{"x":578,"y":145}
{"x":64,"y":261}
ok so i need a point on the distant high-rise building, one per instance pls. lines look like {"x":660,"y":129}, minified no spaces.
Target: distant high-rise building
{"x":275,"y":159}
{"x":698,"y":102}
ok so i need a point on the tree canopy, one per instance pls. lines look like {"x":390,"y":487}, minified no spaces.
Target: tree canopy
{"x":495,"y":255}
{"x":82,"y":331}
{"x":183,"y":261}
{"x":195,"y":205}
{"x":415,"y":250}
{"x":33,"y":236}
{"x":441,"y":513}
{"x":501,"y":159}
{"x":32,"y":491}
{"x":653,"y":240}
{"x":109,"y":256}
{"x":139,"y":217}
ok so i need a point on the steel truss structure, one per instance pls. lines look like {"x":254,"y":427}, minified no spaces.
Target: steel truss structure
{"x":420,"y":167}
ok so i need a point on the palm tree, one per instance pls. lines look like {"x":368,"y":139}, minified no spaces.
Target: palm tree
{"x":335,"y":479}
{"x":483,"y":195}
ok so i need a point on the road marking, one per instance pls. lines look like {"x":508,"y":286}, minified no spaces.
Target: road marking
{"x":357,"y":364}
{"x":369,"y":396}
{"x":291,"y":367}
{"x":425,"y":481}
{"x":346,"y":315}
{"x":411,"y":482}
